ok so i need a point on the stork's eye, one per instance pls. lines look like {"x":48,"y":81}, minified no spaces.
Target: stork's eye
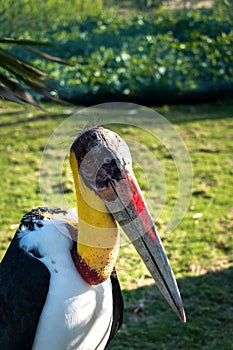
{"x":107,"y":160}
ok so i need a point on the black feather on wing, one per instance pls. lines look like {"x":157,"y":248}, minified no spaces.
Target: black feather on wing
{"x":24,"y":284}
{"x":118,"y":307}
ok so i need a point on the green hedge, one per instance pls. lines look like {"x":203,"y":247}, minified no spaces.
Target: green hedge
{"x":181,"y":56}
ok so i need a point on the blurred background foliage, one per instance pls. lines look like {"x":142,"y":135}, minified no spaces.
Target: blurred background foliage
{"x":145,"y":51}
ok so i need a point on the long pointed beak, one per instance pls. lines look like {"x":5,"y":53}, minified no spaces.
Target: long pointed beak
{"x":125,"y":201}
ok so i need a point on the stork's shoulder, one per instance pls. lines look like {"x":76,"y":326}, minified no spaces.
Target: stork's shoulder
{"x":39,"y":217}
{"x":46,"y":232}
{"x":24,"y":283}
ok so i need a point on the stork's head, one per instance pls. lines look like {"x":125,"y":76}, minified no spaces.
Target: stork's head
{"x":101,"y":160}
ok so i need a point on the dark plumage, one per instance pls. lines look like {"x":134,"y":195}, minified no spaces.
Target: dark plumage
{"x":24,"y":284}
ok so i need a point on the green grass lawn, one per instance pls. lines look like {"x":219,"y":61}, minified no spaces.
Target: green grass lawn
{"x":200,"y":249}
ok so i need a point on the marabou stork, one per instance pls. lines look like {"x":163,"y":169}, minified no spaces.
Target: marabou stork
{"x":58,"y":285}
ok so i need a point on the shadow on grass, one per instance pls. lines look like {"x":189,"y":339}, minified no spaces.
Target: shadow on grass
{"x":179,"y":114}
{"x":176,"y":114}
{"x":150,"y":324}
{"x":19,"y":119}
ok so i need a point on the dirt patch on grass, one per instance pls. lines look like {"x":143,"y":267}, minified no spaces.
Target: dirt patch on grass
{"x":177,"y":4}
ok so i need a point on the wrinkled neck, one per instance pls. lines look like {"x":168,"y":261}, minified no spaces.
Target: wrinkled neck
{"x":98,"y":237}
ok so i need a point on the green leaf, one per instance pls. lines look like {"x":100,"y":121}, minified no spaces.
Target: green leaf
{"x":17,"y":74}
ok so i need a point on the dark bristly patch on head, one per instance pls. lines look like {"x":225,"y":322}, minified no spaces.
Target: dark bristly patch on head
{"x":99,"y":155}
{"x":85,"y":142}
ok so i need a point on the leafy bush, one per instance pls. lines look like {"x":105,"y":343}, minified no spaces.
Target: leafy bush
{"x":31,"y":15}
{"x":181,"y":56}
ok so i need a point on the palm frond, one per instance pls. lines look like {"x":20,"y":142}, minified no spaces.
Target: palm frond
{"x":47,"y":56}
{"x":18,"y":77}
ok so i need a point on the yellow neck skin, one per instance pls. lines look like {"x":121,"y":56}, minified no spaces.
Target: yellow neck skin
{"x":98,"y":235}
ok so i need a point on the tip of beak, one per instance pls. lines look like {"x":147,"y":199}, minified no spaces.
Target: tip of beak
{"x":176,"y":304}
{"x":182,"y":316}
